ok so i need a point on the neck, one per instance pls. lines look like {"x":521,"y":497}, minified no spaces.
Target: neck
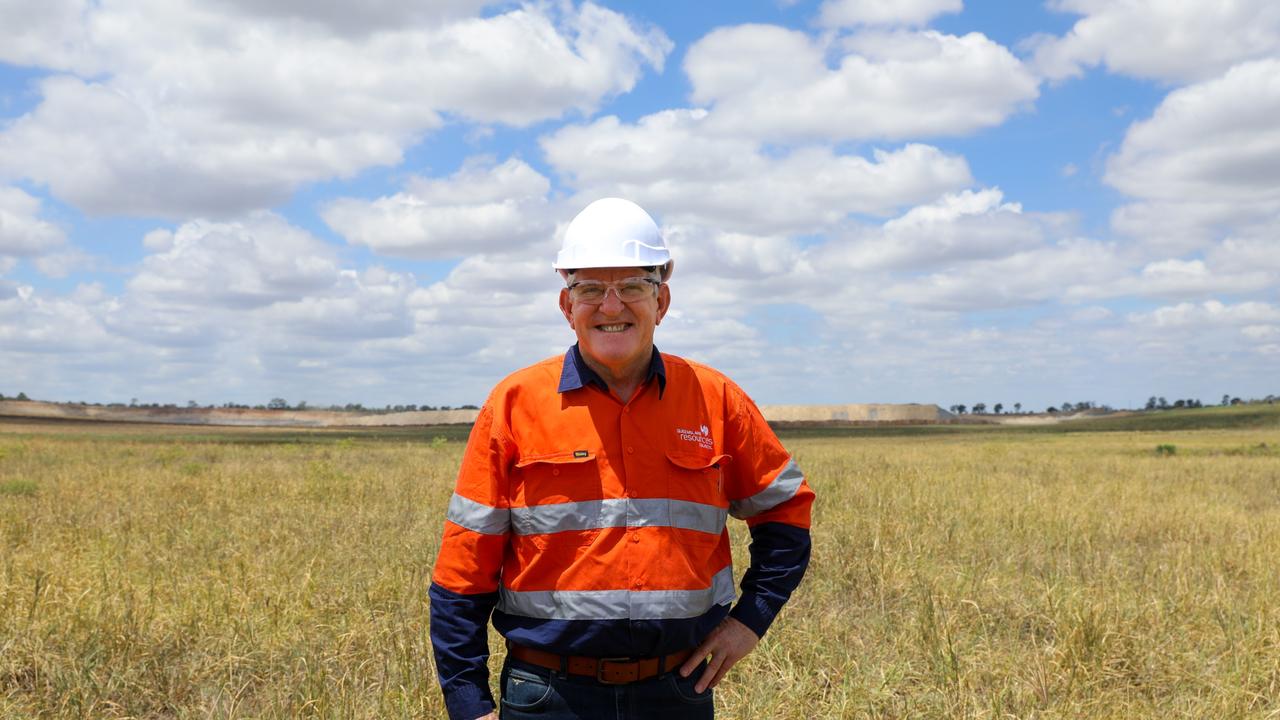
{"x":623,"y":380}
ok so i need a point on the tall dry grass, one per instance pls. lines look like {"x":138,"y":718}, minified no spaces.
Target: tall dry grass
{"x":973,"y":575}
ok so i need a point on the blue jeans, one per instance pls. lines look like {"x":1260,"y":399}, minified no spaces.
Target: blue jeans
{"x":530,"y":692}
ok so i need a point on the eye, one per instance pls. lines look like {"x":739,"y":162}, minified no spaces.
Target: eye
{"x":588,"y":292}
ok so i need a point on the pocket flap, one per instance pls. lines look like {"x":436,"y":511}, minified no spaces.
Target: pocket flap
{"x":690,"y":461}
{"x":559,"y":458}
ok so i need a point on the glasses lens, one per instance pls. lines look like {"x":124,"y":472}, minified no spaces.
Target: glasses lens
{"x":632,"y":290}
{"x":587,"y":292}
{"x":592,"y":292}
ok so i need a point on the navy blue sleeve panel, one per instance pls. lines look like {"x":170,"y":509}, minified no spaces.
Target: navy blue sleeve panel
{"x":779,"y":557}
{"x":460,"y":643}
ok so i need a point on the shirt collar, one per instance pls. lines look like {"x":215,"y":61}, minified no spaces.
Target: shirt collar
{"x":576,"y":373}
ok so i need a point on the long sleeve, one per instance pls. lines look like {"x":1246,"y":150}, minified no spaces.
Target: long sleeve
{"x":779,"y":557}
{"x":459,"y":640}
{"x":768,"y":490}
{"x":464,"y":588}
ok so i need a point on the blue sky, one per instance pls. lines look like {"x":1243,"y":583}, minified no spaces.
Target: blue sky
{"x":868,"y":200}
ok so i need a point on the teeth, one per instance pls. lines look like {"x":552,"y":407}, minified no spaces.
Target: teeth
{"x":613,"y":328}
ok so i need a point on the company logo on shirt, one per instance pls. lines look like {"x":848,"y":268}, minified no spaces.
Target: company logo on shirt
{"x":701,"y":437}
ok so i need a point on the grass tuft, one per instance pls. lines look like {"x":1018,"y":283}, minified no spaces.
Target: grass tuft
{"x":18,"y":487}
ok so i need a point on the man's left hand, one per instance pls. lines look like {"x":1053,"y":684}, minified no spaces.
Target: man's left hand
{"x":727,"y":644}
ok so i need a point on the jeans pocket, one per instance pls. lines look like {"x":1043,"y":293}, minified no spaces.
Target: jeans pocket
{"x":683,"y":687}
{"x":524,"y":690}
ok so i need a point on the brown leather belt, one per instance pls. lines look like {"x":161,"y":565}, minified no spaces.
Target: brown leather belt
{"x":610,"y":671}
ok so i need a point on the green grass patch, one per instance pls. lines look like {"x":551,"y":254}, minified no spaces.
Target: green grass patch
{"x":18,"y":487}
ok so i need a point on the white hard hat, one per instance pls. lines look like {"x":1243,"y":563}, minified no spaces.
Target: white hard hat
{"x":612,"y":232}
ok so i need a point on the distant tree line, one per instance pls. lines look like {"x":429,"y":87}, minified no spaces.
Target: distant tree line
{"x":1153,"y":403}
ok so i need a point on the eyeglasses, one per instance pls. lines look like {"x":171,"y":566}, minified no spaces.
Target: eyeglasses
{"x":593,"y":292}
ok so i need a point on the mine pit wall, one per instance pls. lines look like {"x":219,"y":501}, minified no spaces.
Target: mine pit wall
{"x":875,"y":412}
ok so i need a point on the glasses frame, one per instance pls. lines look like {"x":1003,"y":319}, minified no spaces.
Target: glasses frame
{"x":614,"y":286}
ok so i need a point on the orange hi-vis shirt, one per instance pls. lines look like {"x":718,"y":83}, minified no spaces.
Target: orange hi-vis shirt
{"x":594,"y":527}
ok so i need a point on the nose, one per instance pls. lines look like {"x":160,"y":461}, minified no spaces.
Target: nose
{"x":612,"y":304}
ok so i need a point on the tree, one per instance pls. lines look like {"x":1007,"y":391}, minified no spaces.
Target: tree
{"x":278,"y":404}
{"x":1051,"y":410}
{"x":960,"y":409}
{"x":1236,"y":401}
{"x":1067,"y":407}
{"x":1162,"y":403}
{"x":998,"y":408}
{"x":979,"y":408}
{"x":1017,"y":407}
{"x":1151,"y":403}
{"x":22,"y":396}
{"x":1179,"y":403}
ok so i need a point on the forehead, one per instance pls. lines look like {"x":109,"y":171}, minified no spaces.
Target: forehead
{"x":609,"y":274}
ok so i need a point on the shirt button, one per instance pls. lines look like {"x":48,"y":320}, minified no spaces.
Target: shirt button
{"x":630,"y":449}
{"x":635,"y":538}
{"x":638,"y":585}
{"x":626,"y":409}
{"x":555,"y":471}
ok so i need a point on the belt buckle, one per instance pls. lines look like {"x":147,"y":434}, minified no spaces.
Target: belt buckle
{"x":600,"y":667}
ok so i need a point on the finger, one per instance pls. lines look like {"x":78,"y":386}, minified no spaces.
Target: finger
{"x":708,"y":675}
{"x":698,"y":655}
{"x":720,"y":673}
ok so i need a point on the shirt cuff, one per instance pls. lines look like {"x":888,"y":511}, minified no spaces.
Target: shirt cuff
{"x":755,"y":613}
{"x":468,"y":703}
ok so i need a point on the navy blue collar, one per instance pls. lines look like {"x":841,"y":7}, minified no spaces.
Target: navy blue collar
{"x":576,"y":373}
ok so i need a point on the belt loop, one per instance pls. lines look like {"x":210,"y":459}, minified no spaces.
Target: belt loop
{"x":662,"y":665}
{"x":564,"y":667}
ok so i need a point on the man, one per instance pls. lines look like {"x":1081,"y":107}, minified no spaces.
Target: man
{"x":589,"y":514}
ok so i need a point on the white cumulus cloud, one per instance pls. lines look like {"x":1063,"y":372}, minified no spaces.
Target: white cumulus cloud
{"x":483,"y":207}
{"x":1207,"y":159}
{"x":774,"y":83}
{"x":1169,"y":41}
{"x":181,"y":109}
{"x":676,"y":164}
{"x":22,"y":230}
{"x":241,"y":264}
{"x":957,"y":227}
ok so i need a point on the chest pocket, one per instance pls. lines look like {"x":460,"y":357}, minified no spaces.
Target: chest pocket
{"x":557,"y":499}
{"x":695,"y":492}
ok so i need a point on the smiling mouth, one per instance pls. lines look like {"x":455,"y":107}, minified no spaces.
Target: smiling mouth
{"x":619,"y":327}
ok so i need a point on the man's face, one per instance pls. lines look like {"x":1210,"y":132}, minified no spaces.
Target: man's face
{"x":615,"y":334}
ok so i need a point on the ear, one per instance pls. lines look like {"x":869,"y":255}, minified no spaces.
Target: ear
{"x":566,"y":305}
{"x":664,"y":302}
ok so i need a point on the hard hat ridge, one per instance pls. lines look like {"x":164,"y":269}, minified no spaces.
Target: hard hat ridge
{"x":612,"y":232}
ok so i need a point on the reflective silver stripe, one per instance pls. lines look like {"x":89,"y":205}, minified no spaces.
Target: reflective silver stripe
{"x":618,"y":512}
{"x":618,"y":604}
{"x":782,"y":489}
{"x":478,"y":517}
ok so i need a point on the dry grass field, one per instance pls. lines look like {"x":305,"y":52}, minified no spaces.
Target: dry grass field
{"x":966,"y":573}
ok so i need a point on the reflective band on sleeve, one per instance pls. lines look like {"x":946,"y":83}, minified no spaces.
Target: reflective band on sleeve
{"x":477,"y":517}
{"x":618,"y":604}
{"x":782,"y":489}
{"x":618,"y":512}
